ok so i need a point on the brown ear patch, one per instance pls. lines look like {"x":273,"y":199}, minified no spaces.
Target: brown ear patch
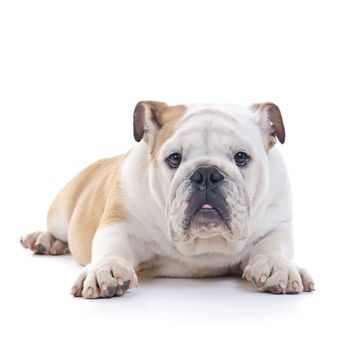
{"x":274,"y":116}
{"x":147,"y":118}
{"x":169,"y":119}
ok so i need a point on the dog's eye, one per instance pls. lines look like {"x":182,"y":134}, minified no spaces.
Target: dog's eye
{"x":174,"y":160}
{"x":241,"y":158}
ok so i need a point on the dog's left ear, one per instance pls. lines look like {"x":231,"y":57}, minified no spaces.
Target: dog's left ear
{"x":148,"y":120}
{"x":270,"y":122}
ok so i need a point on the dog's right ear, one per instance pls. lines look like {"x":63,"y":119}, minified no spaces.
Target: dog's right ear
{"x":147,"y":120}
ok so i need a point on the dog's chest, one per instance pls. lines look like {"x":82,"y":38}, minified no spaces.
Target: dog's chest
{"x":162,"y":266}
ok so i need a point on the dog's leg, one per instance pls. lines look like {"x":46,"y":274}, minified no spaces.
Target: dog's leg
{"x":111,"y":271}
{"x":270,"y":268}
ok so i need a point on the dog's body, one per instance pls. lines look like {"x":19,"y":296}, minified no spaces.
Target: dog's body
{"x":203,"y":194}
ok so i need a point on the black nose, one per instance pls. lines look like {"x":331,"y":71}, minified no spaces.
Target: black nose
{"x":206,"y":177}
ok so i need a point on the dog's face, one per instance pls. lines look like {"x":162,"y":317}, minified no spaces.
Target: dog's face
{"x":208,"y":169}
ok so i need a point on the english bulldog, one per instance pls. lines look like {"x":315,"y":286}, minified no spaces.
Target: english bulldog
{"x":203,"y":193}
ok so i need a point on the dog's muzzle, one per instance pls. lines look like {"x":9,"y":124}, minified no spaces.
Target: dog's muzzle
{"x":207,"y":207}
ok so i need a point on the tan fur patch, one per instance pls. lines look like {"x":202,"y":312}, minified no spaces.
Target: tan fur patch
{"x":168,"y":120}
{"x":91,"y":200}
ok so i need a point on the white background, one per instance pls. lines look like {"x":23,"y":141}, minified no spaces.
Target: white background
{"x":71,"y":73}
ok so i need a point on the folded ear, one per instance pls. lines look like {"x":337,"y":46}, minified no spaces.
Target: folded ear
{"x":147,"y":120}
{"x":270,"y":121}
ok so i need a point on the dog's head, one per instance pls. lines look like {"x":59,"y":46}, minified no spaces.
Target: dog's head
{"x":208,"y":169}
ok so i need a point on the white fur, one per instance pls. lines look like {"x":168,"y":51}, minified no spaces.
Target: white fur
{"x":59,"y":225}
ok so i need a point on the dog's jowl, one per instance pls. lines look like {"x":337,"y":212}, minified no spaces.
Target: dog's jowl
{"x":204,"y":192}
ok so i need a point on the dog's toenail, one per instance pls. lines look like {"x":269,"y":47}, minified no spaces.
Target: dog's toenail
{"x":282,"y":285}
{"x":263,"y":278}
{"x":295,"y":285}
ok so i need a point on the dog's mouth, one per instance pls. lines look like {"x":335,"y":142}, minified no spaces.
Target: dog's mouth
{"x":207,"y":210}
{"x":206,"y":218}
{"x":209,"y":213}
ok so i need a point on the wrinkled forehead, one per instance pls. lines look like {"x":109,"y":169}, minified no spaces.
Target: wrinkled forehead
{"x":211,"y":129}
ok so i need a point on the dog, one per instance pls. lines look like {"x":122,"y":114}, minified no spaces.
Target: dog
{"x":203,"y":193}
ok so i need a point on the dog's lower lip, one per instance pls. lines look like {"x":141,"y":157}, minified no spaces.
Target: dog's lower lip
{"x":208,"y":210}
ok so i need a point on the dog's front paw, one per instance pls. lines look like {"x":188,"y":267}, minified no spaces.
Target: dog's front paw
{"x":278,"y":275}
{"x":105,"y":278}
